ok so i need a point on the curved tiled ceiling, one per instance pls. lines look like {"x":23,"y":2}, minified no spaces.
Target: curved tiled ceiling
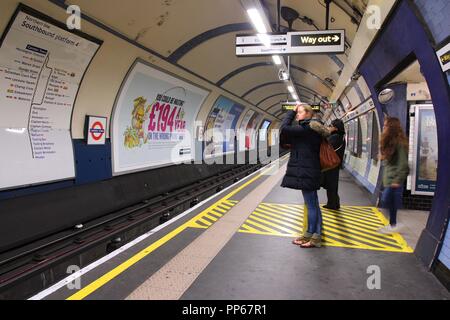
{"x":199,"y":35}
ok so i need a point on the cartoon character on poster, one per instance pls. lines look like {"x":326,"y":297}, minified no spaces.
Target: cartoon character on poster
{"x":134,"y":134}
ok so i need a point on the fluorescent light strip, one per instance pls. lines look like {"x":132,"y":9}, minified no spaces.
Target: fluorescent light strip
{"x":291,"y":89}
{"x":257,"y":20}
{"x":276,"y":60}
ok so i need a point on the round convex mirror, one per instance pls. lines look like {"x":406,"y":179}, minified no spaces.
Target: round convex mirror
{"x":386,"y":96}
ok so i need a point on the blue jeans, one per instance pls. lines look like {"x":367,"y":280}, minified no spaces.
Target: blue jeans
{"x":314,"y":213}
{"x":392,"y":200}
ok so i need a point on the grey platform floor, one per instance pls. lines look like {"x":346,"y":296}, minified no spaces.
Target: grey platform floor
{"x":257,"y":267}
{"x":268,"y":267}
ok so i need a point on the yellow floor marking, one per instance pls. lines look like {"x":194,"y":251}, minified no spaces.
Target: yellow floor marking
{"x":357,"y":228}
{"x":396,"y":236}
{"x":254,"y":231}
{"x":222,"y":210}
{"x":96,"y":284}
{"x":295,"y":226}
{"x":211,"y":217}
{"x":340,"y":214}
{"x":277,"y":226}
{"x":270,"y":230}
{"x":282,"y":213}
{"x":360,"y":223}
{"x":354,"y":214}
{"x":347,"y":228}
{"x":202,"y":220}
{"x":216,"y":214}
{"x":297,"y":220}
{"x":352,"y":233}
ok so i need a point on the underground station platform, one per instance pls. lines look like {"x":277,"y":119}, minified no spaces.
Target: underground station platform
{"x":237,"y":246}
{"x":218,"y":158}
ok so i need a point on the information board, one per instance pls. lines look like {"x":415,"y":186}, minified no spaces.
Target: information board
{"x":154,"y":120}
{"x":41,"y":69}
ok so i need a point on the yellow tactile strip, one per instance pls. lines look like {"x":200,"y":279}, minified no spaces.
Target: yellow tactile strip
{"x":214,"y":213}
{"x":350,"y":227}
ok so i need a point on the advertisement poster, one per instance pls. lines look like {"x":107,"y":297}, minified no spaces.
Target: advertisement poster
{"x":221,"y":126}
{"x":355,"y":135}
{"x":370,"y":123}
{"x":351,"y":136}
{"x":248,"y":130}
{"x":274,"y":134}
{"x":153,"y":120}
{"x":263,"y":132}
{"x":41,"y":69}
{"x":426,"y":151}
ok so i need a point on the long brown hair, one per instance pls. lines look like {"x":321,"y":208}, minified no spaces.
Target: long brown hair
{"x":391,"y":137}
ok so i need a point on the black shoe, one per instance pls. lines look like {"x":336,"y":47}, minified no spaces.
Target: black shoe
{"x":331,"y":208}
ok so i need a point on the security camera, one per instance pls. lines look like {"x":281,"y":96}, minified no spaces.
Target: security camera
{"x":283,"y":75}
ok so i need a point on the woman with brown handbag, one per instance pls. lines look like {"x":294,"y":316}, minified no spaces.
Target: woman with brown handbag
{"x":304,"y":169}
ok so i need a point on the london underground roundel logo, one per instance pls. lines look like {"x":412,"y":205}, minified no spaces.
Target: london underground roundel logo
{"x":97,"y":131}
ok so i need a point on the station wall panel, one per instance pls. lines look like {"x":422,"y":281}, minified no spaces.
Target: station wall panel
{"x":435,"y":13}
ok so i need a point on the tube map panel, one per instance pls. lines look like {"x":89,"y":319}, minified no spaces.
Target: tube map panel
{"x":41,"y":68}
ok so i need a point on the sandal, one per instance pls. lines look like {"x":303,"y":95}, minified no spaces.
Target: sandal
{"x":301,"y":240}
{"x":313,"y":243}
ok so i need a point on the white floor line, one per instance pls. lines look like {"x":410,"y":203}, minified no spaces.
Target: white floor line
{"x":70,"y":279}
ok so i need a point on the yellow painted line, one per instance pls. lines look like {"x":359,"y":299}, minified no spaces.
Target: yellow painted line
{"x":222,"y":210}
{"x":95,"y":285}
{"x":257,"y":232}
{"x":297,"y":220}
{"x":289,"y":215}
{"x":362,"y":229}
{"x":357,"y":215}
{"x":270,"y":224}
{"x":352,"y":233}
{"x":216,"y":214}
{"x":250,"y":221}
{"x":396,"y":236}
{"x":198,"y":226}
{"x":295,"y":226}
{"x":355,"y":221}
{"x":355,"y":226}
{"x":202,"y":220}
{"x":339,"y":219}
{"x":210,"y":217}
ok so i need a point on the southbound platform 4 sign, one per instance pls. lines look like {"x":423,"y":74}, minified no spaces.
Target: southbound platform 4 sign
{"x":41,"y":68}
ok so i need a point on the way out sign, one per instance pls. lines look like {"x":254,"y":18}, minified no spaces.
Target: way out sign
{"x":328,"y":41}
{"x":95,"y":130}
{"x":301,"y":42}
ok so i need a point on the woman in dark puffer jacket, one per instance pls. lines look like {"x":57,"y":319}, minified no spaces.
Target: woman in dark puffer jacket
{"x":303,"y":170}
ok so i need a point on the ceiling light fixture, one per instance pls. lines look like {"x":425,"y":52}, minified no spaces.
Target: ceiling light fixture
{"x":257,"y":20}
{"x":276,"y":60}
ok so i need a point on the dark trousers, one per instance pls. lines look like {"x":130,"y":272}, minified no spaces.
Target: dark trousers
{"x":392,"y":200}
{"x":331,"y":184}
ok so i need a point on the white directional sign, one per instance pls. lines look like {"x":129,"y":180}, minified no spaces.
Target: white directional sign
{"x":326,"y":41}
{"x":248,"y":40}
